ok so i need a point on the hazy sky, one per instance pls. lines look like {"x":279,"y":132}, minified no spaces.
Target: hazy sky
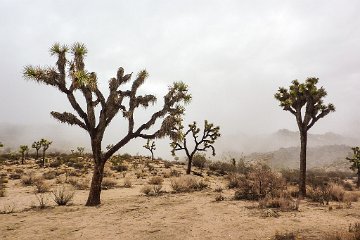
{"x":232,"y":54}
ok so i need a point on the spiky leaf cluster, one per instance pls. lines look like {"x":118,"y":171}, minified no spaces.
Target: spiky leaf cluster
{"x":23,"y":149}
{"x":150,"y":145}
{"x":36,"y":145}
{"x":203,"y":141}
{"x":355,"y":159}
{"x":45,"y":144}
{"x":306,"y":95}
{"x":70,"y":75}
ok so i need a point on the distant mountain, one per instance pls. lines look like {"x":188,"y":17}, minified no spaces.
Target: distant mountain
{"x":329,"y":157}
{"x":281,"y":139}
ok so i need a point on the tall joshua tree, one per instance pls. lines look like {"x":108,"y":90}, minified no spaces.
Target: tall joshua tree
{"x":70,"y":76}
{"x":23,"y":149}
{"x":206,"y":140}
{"x":150,"y":145}
{"x":45,"y":144}
{"x":37,"y":146}
{"x":294,"y":99}
{"x":355,"y":163}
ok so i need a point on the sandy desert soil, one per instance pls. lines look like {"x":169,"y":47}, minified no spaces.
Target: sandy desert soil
{"x":125,"y":213}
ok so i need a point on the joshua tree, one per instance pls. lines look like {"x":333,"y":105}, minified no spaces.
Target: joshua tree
{"x":37,"y":146}
{"x":207,"y":139}
{"x":306,"y":95}
{"x":80,"y":150}
{"x":150,"y":145}
{"x":45,"y":144}
{"x":125,"y":101}
{"x":355,"y":161}
{"x":23,"y":149}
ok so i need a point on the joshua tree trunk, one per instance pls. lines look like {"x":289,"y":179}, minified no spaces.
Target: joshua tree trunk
{"x":302,"y":178}
{"x":43,"y":159}
{"x":188,"y":170}
{"x":22,"y":158}
{"x":152,"y":156}
{"x":95,"y":188}
{"x":358,"y":180}
{"x":37,"y":154}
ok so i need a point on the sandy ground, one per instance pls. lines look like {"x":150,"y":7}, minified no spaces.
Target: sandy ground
{"x":125,"y":213}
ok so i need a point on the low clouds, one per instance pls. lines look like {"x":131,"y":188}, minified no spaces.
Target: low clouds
{"x":233,"y":55}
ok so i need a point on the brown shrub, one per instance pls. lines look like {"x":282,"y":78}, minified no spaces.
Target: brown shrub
{"x":157,"y":180}
{"x":108,"y":183}
{"x":127,"y":183}
{"x":79,"y":183}
{"x":187,"y":184}
{"x":28,"y":178}
{"x":63,"y":195}
{"x":41,"y":186}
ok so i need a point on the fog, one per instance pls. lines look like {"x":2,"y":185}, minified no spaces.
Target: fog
{"x":233,"y":55}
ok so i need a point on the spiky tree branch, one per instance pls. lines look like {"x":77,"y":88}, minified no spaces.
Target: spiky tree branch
{"x":202,"y":142}
{"x":150,"y":145}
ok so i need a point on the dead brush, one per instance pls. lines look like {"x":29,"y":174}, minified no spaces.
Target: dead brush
{"x":41,"y":186}
{"x":151,"y":190}
{"x":108,"y":183}
{"x":285,"y":236}
{"x":353,"y":233}
{"x":283,"y":203}
{"x":28,"y":178}
{"x":63,"y":195}
{"x":127,"y":183}
{"x":79,"y":183}
{"x":157,"y":180}
{"x":187,"y":184}
{"x":2,"y":185}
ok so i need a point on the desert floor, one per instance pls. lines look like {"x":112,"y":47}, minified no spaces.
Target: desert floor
{"x":126,"y":213}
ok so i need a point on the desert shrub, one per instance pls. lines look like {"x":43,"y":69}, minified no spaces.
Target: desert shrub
{"x":108,"y":183}
{"x":49,"y":175}
{"x":55,"y":164}
{"x":347,"y":186}
{"x":108,"y":171}
{"x":284,"y":203}
{"x":199,"y":160}
{"x":222,"y":167}
{"x":168,"y":164}
{"x":151,"y":190}
{"x":41,"y":186}
{"x":149,"y":166}
{"x":218,"y":189}
{"x":353,"y":233}
{"x":15,"y":176}
{"x":19,"y":170}
{"x":285,"y":236}
{"x":157,"y":180}
{"x":28,"y":179}
{"x":119,"y":168}
{"x":175,"y":173}
{"x":78,"y":183}
{"x":63,"y":195}
{"x":258,"y":183}
{"x":337,"y":192}
{"x":351,"y":197}
{"x":127,"y":183}
{"x":235,"y":180}
{"x":140,"y":174}
{"x":187,"y":184}
{"x":42,"y":200}
{"x":219,"y":197}
{"x":291,"y":176}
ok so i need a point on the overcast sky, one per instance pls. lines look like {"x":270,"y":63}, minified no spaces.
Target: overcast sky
{"x":232,"y":54}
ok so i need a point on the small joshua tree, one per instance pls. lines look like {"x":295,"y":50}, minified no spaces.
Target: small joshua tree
{"x":119,"y":100}
{"x":37,"y":146}
{"x":45,"y":144}
{"x":150,"y":145}
{"x":80,"y":150}
{"x":206,"y":140}
{"x":306,"y":95}
{"x":23,"y":149}
{"x":355,"y":163}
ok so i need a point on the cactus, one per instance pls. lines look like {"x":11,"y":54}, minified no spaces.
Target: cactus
{"x":206,"y":140}
{"x":306,"y":95}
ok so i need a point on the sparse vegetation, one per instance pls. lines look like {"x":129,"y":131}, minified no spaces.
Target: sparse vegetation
{"x":150,"y":145}
{"x":63,"y":195}
{"x":187,"y":184}
{"x":355,"y":163}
